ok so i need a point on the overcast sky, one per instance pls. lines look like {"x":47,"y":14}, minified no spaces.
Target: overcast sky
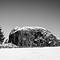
{"x":43,"y":13}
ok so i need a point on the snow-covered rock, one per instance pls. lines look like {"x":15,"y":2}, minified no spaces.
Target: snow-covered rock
{"x":25,"y":28}
{"x":32,"y":37}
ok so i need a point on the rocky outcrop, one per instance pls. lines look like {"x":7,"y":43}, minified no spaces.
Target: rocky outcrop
{"x":32,"y":37}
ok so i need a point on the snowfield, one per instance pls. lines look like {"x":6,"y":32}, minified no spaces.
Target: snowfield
{"x":46,"y":53}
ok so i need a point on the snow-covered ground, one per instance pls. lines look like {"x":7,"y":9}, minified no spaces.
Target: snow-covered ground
{"x":49,"y":53}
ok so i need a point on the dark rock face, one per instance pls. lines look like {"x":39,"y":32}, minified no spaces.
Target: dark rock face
{"x":33,"y":38}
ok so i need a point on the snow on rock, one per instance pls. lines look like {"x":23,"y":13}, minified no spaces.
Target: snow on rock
{"x":25,"y":28}
{"x":34,"y":36}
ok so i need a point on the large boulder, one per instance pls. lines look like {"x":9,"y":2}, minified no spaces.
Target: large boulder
{"x":32,"y":37}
